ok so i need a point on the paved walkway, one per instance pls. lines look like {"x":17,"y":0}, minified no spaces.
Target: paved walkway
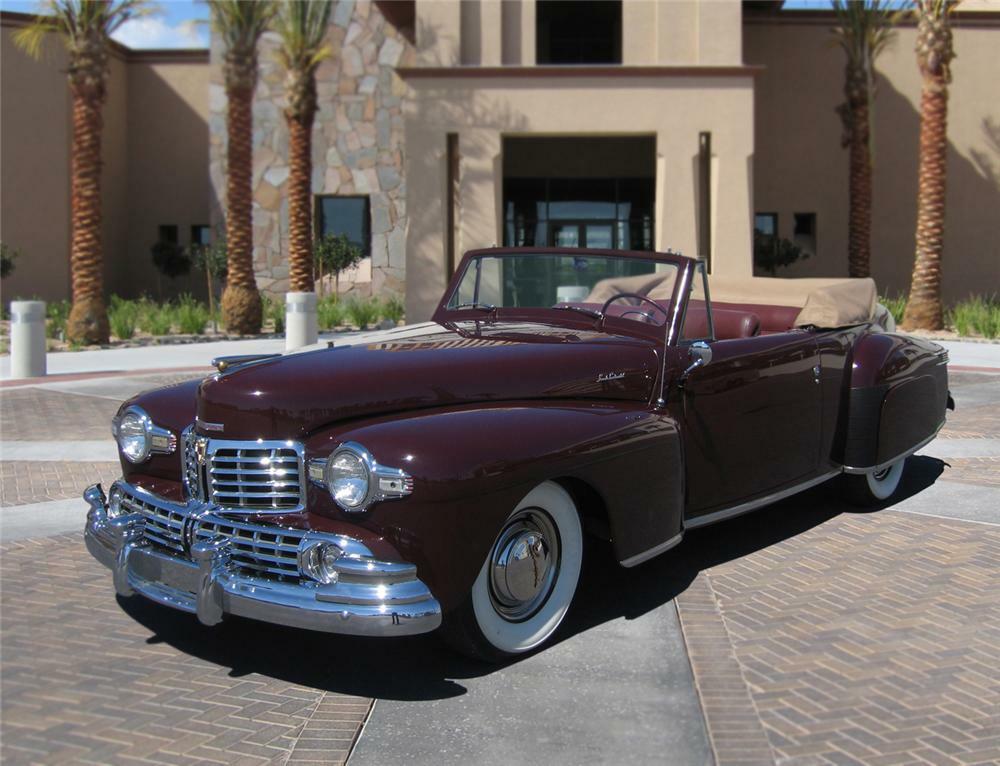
{"x":804,"y":633}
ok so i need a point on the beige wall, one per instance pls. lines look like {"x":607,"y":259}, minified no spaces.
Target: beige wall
{"x":155,"y":165}
{"x":801,"y":167}
{"x":34,"y":169}
{"x":674,"y":107}
{"x":167,"y":179}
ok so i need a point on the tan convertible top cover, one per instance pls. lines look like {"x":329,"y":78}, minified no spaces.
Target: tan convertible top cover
{"x":824,"y":302}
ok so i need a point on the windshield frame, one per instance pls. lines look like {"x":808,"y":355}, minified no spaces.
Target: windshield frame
{"x":552,"y":316}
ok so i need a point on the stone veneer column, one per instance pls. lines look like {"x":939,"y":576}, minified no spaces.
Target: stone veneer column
{"x":357,"y":143}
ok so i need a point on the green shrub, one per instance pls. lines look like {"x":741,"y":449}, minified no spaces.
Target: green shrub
{"x":274,"y":309}
{"x":190,"y":315}
{"x":57,"y":313}
{"x":896,"y":305}
{"x":393,"y":309}
{"x":329,"y":312}
{"x":362,"y":311}
{"x":155,"y":319}
{"x":123,"y":316}
{"x":977,"y":315}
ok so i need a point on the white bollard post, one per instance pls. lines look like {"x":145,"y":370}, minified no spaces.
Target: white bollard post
{"x":300,"y":320}
{"x":27,"y":339}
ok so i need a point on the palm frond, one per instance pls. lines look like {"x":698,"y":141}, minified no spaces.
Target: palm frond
{"x":77,"y":19}
{"x":302,"y":27}
{"x":240,"y":23}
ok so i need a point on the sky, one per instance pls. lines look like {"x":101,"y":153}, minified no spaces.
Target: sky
{"x":179,"y":24}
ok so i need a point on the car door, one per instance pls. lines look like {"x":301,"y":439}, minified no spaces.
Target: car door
{"x":751,"y":419}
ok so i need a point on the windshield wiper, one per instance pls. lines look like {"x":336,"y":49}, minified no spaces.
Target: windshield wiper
{"x":582,"y":310}
{"x":480,"y":306}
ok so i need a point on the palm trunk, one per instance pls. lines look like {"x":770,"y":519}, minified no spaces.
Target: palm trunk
{"x":88,"y":318}
{"x":242,"y":310}
{"x":923,"y":309}
{"x":299,"y":192}
{"x":860,"y":216}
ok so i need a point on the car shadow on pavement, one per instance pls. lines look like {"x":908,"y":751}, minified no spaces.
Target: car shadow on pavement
{"x":423,"y":667}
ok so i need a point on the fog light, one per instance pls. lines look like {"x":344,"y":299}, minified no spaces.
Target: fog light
{"x":317,"y":560}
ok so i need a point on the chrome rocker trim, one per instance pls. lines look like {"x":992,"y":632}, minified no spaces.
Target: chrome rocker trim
{"x":370,"y":597}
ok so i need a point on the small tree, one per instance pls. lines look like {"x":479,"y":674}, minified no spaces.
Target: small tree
{"x":170,"y":260}
{"x":334,"y":253}
{"x":8,"y":255}
{"x":771,"y":252}
{"x":212,"y":261}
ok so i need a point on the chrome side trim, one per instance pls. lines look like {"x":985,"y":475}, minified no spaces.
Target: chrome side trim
{"x":905,"y":454}
{"x":656,"y":550}
{"x":737,"y":510}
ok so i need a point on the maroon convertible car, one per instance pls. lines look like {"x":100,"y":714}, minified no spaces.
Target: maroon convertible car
{"x":444,"y":474}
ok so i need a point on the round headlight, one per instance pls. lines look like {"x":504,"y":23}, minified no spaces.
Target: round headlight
{"x":318,"y":560}
{"x":134,"y":435}
{"x":348,"y":478}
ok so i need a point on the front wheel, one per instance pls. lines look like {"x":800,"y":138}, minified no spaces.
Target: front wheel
{"x":527,"y":582}
{"x":871,"y":488}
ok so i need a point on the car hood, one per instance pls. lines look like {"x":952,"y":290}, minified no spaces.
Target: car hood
{"x":418,"y":367}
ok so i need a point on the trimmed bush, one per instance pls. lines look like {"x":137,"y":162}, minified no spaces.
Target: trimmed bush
{"x":363,"y":312}
{"x":329,"y":312}
{"x":155,"y":319}
{"x":190,"y":315}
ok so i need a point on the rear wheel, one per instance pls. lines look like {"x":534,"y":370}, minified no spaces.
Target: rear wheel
{"x":527,"y":582}
{"x":874,"y":487}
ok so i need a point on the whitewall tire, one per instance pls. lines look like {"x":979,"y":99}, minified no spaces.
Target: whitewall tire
{"x":874,"y":487}
{"x":527,"y":582}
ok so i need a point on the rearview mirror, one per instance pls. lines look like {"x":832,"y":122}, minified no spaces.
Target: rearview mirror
{"x":700,"y":353}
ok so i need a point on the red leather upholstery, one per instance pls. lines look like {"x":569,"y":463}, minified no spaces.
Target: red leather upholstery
{"x":772,"y":318}
{"x":729,"y":324}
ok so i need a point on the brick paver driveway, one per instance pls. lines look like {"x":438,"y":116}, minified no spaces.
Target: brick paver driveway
{"x":816,"y":635}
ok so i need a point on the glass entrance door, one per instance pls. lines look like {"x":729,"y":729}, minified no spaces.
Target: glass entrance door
{"x":599,"y":234}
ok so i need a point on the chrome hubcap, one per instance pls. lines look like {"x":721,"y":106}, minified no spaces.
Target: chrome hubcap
{"x":523,"y":565}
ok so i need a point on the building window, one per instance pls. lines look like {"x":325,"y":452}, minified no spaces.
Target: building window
{"x":804,"y":234}
{"x":345,"y":215}
{"x":168,"y":233}
{"x":571,"y":32}
{"x":201,"y":234}
{"x":766,"y":223}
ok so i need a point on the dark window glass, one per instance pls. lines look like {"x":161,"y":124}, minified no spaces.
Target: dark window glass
{"x":168,"y":233}
{"x":766,"y":223}
{"x":201,"y":235}
{"x":345,"y":215}
{"x":804,"y":234}
{"x":571,"y":32}
{"x":606,"y":213}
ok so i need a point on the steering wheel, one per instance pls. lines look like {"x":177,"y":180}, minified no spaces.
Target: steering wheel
{"x":647,"y":315}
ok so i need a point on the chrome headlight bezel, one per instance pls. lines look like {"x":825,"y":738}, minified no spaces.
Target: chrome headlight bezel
{"x":155,"y":439}
{"x":382,"y":482}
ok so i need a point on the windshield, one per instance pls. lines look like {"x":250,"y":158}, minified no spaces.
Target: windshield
{"x":581,"y":283}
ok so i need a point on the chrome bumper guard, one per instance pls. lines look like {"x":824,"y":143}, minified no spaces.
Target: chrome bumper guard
{"x":369,"y":598}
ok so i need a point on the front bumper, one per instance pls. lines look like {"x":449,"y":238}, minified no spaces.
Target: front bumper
{"x":370,"y":597}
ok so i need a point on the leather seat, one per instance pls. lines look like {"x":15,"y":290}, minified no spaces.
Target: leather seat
{"x":729,"y":324}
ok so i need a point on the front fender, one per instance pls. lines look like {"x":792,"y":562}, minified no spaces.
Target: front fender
{"x":472,"y":464}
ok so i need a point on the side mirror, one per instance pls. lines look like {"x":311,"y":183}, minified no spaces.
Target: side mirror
{"x":700,"y":353}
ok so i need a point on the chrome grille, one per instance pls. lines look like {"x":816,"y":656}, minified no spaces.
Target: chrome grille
{"x":256,"y":476}
{"x":162,"y":527}
{"x":191,"y":470}
{"x":271,"y":551}
{"x":265,"y":551}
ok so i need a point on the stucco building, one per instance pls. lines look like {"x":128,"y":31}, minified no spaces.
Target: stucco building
{"x":448,"y":125}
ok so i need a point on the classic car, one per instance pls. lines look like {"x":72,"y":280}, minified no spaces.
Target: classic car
{"x":444,"y":475}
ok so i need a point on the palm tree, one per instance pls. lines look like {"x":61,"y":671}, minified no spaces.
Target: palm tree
{"x":864,"y":29}
{"x":934,"y":54}
{"x":240,"y":24}
{"x":86,"y":27}
{"x":302,"y":27}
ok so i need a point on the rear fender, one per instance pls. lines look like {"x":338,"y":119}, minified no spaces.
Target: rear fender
{"x":472,"y":464}
{"x":897,"y":399}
